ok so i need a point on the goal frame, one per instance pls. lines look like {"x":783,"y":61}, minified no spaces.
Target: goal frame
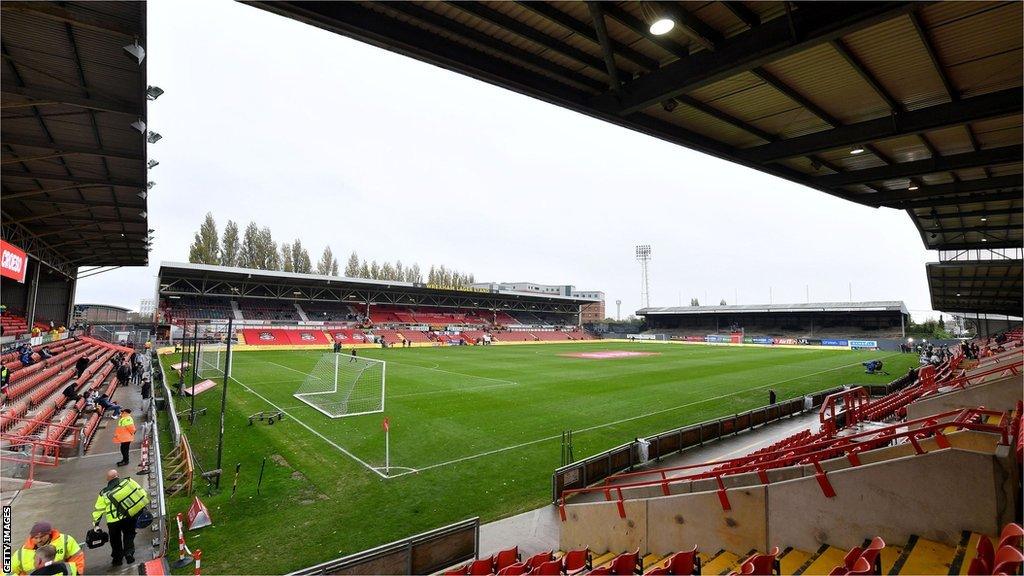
{"x":337,"y":360}
{"x":222,"y":352}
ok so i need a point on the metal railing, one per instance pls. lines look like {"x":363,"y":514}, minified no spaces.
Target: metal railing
{"x":812,"y":453}
{"x":424,"y":553}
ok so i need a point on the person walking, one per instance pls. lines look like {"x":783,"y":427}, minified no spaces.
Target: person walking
{"x":124,"y":434}
{"x":121,"y":500}
{"x":81,"y":365}
{"x":47,"y":565}
{"x":42,"y":534}
{"x":124,"y":373}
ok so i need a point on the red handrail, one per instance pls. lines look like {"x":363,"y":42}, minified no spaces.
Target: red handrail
{"x":816,"y":451}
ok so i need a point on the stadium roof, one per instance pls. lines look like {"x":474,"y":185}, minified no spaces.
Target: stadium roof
{"x":885,"y":306}
{"x":73,"y":166}
{"x":977,"y":286}
{"x":314,"y":286}
{"x":928,"y":93}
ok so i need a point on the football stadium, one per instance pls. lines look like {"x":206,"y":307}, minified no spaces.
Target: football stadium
{"x":276,"y":416}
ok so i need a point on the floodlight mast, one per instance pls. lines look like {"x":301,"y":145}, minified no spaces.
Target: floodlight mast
{"x":643,"y":255}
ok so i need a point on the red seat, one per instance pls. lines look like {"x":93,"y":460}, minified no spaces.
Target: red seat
{"x":978,"y":567}
{"x":1008,"y":560}
{"x":762,"y":564}
{"x":602,"y":571}
{"x":1012,"y":535}
{"x":659,"y":571}
{"x":513,"y":569}
{"x":460,"y":571}
{"x":506,"y":558}
{"x":550,"y":568}
{"x":533,"y":562}
{"x":985,"y":551}
{"x":481,"y":566}
{"x":684,"y":563}
{"x":871,"y":554}
{"x":627,"y":563}
{"x":576,"y":561}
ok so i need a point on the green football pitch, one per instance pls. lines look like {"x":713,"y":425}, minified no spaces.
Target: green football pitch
{"x":475,"y":431}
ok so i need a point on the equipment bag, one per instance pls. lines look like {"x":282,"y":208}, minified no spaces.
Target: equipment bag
{"x":128,"y":498}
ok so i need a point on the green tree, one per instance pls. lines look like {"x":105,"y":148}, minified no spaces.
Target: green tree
{"x":229,"y":245}
{"x":399,"y":271}
{"x":364,"y":270}
{"x":287,"y":264}
{"x":387,"y":271}
{"x":334,"y":267}
{"x":323,"y":266}
{"x":432,"y":276}
{"x":352,"y":266}
{"x":300,"y":258}
{"x":694,"y":302}
{"x":722,"y":303}
{"x":374,"y":270}
{"x":412,"y":274}
{"x":205,"y":247}
{"x":942,"y":323}
{"x":248,"y":254}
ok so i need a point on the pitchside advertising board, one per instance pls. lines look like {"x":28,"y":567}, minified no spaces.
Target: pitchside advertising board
{"x":13,"y":262}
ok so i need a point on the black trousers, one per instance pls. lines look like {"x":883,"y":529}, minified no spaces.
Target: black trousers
{"x":124,"y":451}
{"x":122,"y":538}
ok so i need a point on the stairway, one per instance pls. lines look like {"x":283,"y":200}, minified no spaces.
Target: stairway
{"x":235,"y":311}
{"x":302,"y":313}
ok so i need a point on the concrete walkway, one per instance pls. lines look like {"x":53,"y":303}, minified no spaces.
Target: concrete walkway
{"x":538,"y":530}
{"x":66,"y":494}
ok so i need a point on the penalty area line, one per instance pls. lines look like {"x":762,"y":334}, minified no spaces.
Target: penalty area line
{"x":307,"y":427}
{"x":631,"y":418}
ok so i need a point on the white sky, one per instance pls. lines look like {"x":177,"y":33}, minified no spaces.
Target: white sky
{"x":337,"y":142}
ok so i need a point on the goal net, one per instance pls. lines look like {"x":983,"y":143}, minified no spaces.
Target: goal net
{"x":343,"y":385}
{"x":214,"y":361}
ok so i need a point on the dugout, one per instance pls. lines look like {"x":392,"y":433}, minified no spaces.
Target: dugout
{"x":809,"y":320}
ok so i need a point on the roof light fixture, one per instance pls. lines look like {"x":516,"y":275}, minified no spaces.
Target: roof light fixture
{"x":957,"y":293}
{"x":153,"y":92}
{"x":143,"y":195}
{"x":139,"y":125}
{"x":136,"y":51}
{"x":857,"y":150}
{"x":153,"y":137}
{"x":143,"y":214}
{"x":984,"y":218}
{"x":984,"y":239}
{"x":150,"y":184}
{"x":912,"y":186}
{"x":152,"y":164}
{"x":657,"y":19}
{"x":669,"y":105}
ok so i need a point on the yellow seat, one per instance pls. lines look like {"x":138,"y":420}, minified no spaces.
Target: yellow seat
{"x":721,"y":563}
{"x":792,"y":559}
{"x":928,"y":557}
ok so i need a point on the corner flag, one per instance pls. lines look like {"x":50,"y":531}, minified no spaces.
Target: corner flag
{"x":387,"y":425}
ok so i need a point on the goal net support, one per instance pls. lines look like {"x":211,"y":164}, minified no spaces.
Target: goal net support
{"x":214,"y":361}
{"x":342,"y":385}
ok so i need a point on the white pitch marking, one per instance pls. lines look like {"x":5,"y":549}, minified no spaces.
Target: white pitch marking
{"x":306,"y":426}
{"x":599,"y":426}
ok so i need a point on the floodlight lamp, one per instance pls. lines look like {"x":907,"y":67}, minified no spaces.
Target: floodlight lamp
{"x":153,"y":137}
{"x":984,"y":219}
{"x":669,"y":105}
{"x":150,"y":184}
{"x":153,"y":92}
{"x":912,"y":186}
{"x":152,"y":164}
{"x":984,"y":239}
{"x":136,"y":51}
{"x":957,"y":293}
{"x":662,"y":26}
{"x":143,"y":195}
{"x":143,"y":214}
{"x":139,"y":125}
{"x":857,"y":150}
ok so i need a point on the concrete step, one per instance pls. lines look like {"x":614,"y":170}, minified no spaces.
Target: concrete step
{"x":823,"y":560}
{"x":923,"y":556}
{"x":721,"y":563}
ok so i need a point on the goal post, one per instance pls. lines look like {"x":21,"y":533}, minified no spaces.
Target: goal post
{"x":342,"y":385}
{"x":214,"y":361}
